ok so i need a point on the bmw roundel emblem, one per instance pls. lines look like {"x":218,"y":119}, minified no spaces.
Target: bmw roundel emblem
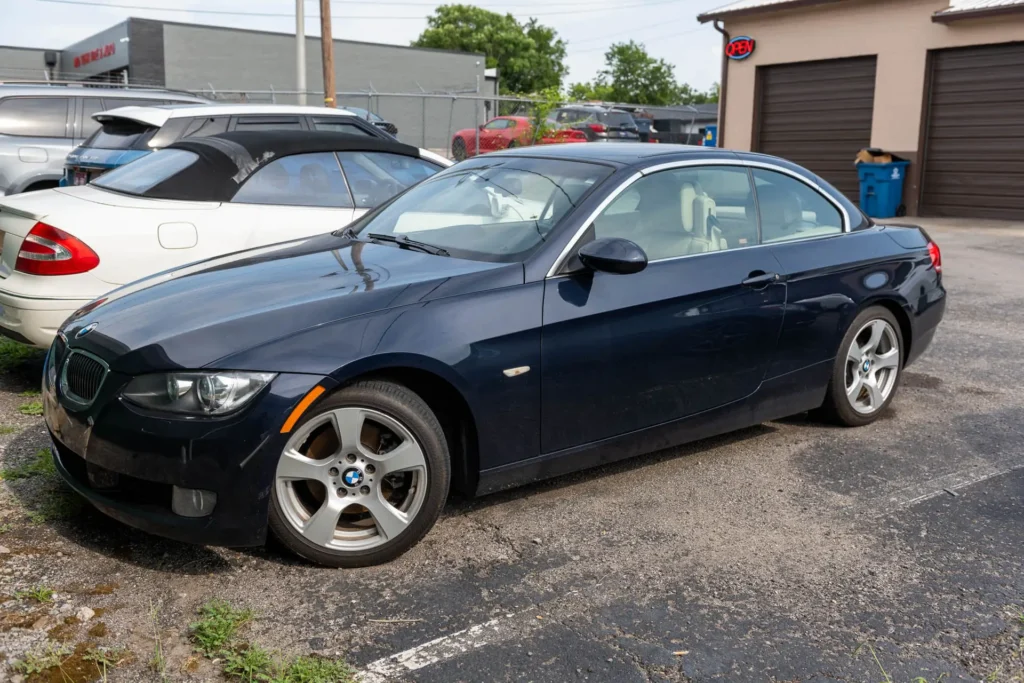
{"x":867,"y":365}
{"x":352,"y":477}
{"x":86,"y":330}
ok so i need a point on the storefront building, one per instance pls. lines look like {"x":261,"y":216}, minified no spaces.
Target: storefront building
{"x":936,"y":82}
{"x":259,"y":66}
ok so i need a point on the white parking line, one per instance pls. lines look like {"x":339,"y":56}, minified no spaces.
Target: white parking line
{"x":945,"y":484}
{"x":447,"y":647}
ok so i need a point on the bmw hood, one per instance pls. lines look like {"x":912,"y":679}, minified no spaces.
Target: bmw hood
{"x":190,"y":317}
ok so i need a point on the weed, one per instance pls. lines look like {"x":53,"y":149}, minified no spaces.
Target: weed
{"x":59,"y":505}
{"x":4,"y":528}
{"x":39,"y":465}
{"x":217,"y":626}
{"x":317,"y":670}
{"x":29,"y":393}
{"x":105,"y":658}
{"x":886,"y":678}
{"x":15,"y":356}
{"x":38,"y":593}
{"x":33,"y":408}
{"x":41,"y":659}
{"x":250,"y":663}
{"x":157,"y":663}
{"x":7,"y":429}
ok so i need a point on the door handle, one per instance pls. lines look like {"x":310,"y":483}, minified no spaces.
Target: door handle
{"x":759,"y":279}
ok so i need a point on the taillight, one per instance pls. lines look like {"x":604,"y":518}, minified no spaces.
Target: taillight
{"x":936,"y":256}
{"x":597,"y":127}
{"x":47,"y":250}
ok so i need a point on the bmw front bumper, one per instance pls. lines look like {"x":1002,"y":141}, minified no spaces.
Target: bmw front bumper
{"x":127,"y":462}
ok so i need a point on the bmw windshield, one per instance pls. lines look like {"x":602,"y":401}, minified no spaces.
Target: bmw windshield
{"x":489,"y":209}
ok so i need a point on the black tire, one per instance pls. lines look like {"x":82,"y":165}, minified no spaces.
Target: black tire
{"x":901,"y":210}
{"x":512,"y":143}
{"x":403,"y":405}
{"x":837,"y":407}
{"x":459,"y":149}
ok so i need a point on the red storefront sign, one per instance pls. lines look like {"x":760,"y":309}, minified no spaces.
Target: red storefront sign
{"x":91,"y":56}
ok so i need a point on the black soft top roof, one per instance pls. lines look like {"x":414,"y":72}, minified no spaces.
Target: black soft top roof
{"x":228,"y":159}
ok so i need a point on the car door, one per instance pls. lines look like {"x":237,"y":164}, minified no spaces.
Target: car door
{"x":825,"y":267}
{"x":491,"y":135}
{"x":695,"y":330}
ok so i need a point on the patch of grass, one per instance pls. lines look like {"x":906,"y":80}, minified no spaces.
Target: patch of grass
{"x":29,"y":393}
{"x":42,"y":659}
{"x":39,"y":465}
{"x":217,"y":626}
{"x":33,"y":408}
{"x":215,"y":635}
{"x":157,"y":663}
{"x":886,"y":678}
{"x":4,"y":528}
{"x":14,"y":356}
{"x":37,"y":593}
{"x":249,"y":663}
{"x":8,"y":429}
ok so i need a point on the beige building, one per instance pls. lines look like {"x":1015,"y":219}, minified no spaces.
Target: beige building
{"x":937,"y":82}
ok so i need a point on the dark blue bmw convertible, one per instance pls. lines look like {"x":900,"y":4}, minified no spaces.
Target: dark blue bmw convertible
{"x":518,"y":316}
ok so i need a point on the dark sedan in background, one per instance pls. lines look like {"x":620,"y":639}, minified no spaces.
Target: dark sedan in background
{"x":518,"y":316}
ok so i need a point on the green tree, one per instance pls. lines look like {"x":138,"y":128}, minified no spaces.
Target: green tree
{"x":529,"y":56}
{"x":632,"y":76}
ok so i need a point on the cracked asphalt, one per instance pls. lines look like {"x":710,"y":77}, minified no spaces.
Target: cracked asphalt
{"x":791,"y":551}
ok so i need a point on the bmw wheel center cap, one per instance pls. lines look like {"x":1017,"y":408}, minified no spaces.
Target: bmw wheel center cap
{"x":352,"y":477}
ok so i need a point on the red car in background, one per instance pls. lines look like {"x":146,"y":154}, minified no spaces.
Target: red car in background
{"x":500,"y":132}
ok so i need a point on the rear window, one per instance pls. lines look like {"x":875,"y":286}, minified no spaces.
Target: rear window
{"x":121,"y":134}
{"x":141,"y":175}
{"x":616,"y":118}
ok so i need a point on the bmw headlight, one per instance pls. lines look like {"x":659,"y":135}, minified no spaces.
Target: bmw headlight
{"x":196,"y":393}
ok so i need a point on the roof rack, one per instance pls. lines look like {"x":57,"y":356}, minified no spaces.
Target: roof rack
{"x":96,"y":84}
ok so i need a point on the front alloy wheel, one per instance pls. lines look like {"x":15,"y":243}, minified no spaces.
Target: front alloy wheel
{"x":362,"y":479}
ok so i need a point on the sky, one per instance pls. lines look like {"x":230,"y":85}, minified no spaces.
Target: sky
{"x":668,"y":28}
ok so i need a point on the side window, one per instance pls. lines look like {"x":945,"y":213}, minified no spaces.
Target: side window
{"x":205,"y":126}
{"x":333,"y":124}
{"x":38,"y":117}
{"x":376,"y":177}
{"x":298,"y":180}
{"x":115,"y":102}
{"x":496,"y":124}
{"x":510,"y":123}
{"x":90,"y":106}
{"x":791,"y":210}
{"x":268,"y":123}
{"x":685,"y":211}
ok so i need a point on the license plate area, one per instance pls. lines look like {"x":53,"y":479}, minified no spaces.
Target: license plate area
{"x":80,"y":178}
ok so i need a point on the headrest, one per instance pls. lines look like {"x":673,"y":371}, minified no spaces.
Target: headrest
{"x":687,"y":196}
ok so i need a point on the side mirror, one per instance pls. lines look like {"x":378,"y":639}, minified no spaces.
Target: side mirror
{"x":613,"y":255}
{"x":481,"y":126}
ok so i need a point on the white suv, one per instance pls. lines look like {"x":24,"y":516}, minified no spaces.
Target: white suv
{"x":127,"y":133}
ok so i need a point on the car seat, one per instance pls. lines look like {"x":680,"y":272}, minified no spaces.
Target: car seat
{"x":313,"y":180}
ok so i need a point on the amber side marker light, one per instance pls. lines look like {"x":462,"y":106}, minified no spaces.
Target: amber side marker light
{"x":307,"y":401}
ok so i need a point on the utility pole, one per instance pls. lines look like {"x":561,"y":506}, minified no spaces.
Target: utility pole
{"x":300,"y":49}
{"x":327,"y":49}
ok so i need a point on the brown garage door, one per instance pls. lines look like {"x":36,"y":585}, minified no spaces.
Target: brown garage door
{"x":974,"y":133}
{"x":818,"y":115}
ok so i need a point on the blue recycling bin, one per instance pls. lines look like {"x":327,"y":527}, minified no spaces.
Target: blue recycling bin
{"x":881,"y":188}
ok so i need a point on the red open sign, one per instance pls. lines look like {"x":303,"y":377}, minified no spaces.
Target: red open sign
{"x":740,"y":47}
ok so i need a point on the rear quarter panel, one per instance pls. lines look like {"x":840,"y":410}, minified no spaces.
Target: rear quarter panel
{"x":831,"y":280}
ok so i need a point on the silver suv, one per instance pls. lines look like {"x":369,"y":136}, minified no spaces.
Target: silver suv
{"x":40,"y":124}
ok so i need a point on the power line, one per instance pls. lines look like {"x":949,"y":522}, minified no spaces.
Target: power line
{"x":248,"y":13}
{"x":660,"y":24}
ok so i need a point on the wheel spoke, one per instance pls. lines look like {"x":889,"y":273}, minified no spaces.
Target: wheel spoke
{"x":295,"y":465}
{"x":877,"y":328}
{"x":875,"y":398}
{"x":889,"y":359}
{"x":855,"y":354}
{"x":854,"y":391}
{"x":348,"y":423}
{"x":407,"y":456}
{"x":321,"y":526}
{"x":390,"y":520}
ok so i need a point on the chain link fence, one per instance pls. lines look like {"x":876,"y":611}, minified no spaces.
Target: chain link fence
{"x":455,"y":124}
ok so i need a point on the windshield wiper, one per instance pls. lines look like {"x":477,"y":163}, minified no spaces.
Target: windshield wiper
{"x":404,"y":241}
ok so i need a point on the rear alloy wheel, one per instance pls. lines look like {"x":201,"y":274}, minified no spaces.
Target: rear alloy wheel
{"x":867,"y":369}
{"x":362,"y":479}
{"x":459,"y":149}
